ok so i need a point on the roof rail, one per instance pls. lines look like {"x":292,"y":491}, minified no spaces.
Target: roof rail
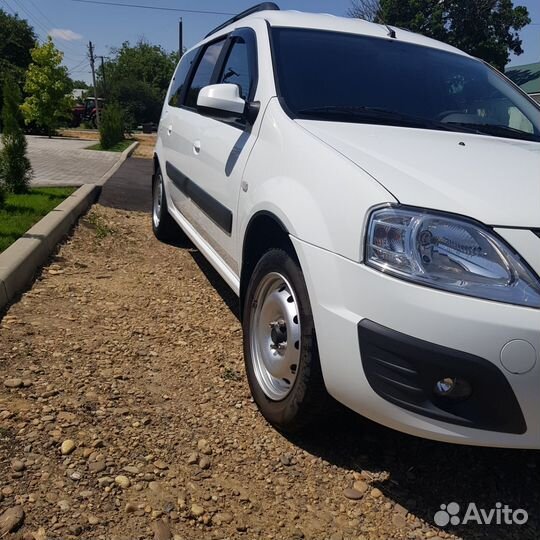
{"x":265,"y":6}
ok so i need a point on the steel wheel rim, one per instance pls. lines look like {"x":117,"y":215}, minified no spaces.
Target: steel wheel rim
{"x":275,"y":336}
{"x":158,"y":201}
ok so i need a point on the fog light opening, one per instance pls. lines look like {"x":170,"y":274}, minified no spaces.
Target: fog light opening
{"x":453,"y":388}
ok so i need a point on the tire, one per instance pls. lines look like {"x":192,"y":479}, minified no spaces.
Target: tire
{"x":278,"y":327}
{"x":163,"y":225}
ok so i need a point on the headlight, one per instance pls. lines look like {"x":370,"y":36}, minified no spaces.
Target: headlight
{"x":448,"y":253}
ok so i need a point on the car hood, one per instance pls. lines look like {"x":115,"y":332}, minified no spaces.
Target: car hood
{"x":494,"y":180}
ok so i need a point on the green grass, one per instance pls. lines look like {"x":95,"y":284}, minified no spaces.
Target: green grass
{"x":118,"y":147}
{"x":20,"y":212}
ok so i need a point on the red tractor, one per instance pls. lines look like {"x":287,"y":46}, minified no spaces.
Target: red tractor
{"x":86,"y":112}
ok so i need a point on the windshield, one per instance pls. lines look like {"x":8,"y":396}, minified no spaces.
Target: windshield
{"x":354,"y":78}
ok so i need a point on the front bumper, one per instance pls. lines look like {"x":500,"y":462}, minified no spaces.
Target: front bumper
{"x":466,"y":336}
{"x":405,"y":371}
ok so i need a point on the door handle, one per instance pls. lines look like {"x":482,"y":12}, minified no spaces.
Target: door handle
{"x":169,"y":129}
{"x":197,"y":147}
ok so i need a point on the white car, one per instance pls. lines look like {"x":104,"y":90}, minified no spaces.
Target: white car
{"x":373,"y":197}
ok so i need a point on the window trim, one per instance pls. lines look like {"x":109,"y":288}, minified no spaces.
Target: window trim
{"x":180,"y":95}
{"x":249,"y":35}
{"x":201,"y":52}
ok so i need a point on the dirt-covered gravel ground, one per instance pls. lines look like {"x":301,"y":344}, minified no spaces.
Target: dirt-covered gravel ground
{"x":124,"y":414}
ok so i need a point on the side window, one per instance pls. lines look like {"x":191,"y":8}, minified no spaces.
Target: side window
{"x":236,"y":69}
{"x":203,"y":74}
{"x":180,"y":78}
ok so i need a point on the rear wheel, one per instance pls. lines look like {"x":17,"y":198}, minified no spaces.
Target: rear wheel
{"x":163,"y":225}
{"x":280,"y":346}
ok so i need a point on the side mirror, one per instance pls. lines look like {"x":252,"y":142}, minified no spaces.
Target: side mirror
{"x":221,"y":98}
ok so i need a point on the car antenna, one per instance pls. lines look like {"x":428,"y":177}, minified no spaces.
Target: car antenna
{"x":391,"y":31}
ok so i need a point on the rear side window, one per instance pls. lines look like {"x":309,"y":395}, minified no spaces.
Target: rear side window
{"x":204,"y":72}
{"x":180,"y":78}
{"x":236,"y":69}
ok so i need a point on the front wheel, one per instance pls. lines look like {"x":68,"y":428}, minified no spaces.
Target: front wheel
{"x":280,"y":346}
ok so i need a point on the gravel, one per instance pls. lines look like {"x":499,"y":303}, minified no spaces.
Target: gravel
{"x":67,"y":447}
{"x":11,"y":519}
{"x":126,"y":416}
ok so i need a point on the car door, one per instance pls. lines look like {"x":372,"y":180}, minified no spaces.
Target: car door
{"x":169,"y":125}
{"x":179,"y":122}
{"x":218,"y":148}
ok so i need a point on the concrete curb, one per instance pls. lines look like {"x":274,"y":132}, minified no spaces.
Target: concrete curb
{"x":125,"y":154}
{"x":20,"y":261}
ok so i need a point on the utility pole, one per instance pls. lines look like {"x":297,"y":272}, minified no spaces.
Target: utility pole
{"x":103,"y":75}
{"x":180,"y":38}
{"x":92,"y":65}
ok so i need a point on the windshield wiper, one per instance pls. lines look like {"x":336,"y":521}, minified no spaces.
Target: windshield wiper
{"x":499,"y":130}
{"x":379,"y":115}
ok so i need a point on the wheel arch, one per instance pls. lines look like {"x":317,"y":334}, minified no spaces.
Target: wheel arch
{"x":264,"y":231}
{"x":157,"y":165}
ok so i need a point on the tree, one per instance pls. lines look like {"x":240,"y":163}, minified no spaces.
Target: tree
{"x":365,"y":9}
{"x":2,"y":187}
{"x":80,"y":85}
{"x":427,"y":17}
{"x":48,"y":87}
{"x":141,"y":101}
{"x":137,"y":77}
{"x":15,"y":169}
{"x":17,"y":38}
{"x":488,"y":29}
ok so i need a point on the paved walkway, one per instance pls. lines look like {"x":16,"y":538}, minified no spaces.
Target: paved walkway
{"x":130,"y":187}
{"x":66,"y":162}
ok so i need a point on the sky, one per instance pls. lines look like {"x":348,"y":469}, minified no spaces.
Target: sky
{"x":72,"y":24}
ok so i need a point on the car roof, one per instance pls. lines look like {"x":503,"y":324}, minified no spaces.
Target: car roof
{"x":325,"y":21}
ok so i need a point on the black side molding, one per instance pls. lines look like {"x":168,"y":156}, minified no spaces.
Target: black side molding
{"x":404,"y":371}
{"x":218,"y":213}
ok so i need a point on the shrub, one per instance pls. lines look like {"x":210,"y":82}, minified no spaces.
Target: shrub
{"x":15,"y":168}
{"x":2,"y":187}
{"x":112,"y":126}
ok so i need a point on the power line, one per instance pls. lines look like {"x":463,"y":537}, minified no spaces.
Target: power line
{"x":39,"y":39}
{"x":141,"y":6}
{"x":12,"y":39}
{"x":72,"y":54}
{"x":16,"y":13}
{"x":13,"y":11}
{"x":43,"y":14}
{"x":79,"y":65}
{"x":36,"y":20}
{"x":71,"y":47}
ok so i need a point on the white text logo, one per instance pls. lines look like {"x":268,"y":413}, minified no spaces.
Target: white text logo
{"x":450,"y":514}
